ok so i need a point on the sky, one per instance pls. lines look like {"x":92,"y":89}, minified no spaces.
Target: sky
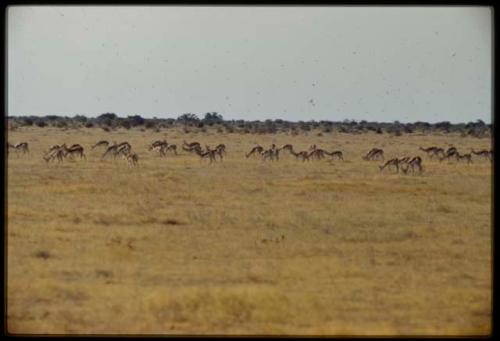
{"x":255,"y":63}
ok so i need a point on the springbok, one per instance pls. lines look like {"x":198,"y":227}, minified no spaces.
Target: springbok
{"x":193,"y":149}
{"x":304,"y":154}
{"x":484,"y":153}
{"x":22,"y":146}
{"x":467,"y":157}
{"x":171,"y":147}
{"x":191,"y":145}
{"x":74,"y":149}
{"x":392,"y":162}
{"x":433,"y":151}
{"x":451,"y":152}
{"x":374,"y":154}
{"x":210,"y":154}
{"x":336,"y":153}
{"x":132,"y":159}
{"x":257,"y":149}
{"x":222,"y":148}
{"x":157,"y":145}
{"x":99,"y":144}
{"x":414,"y":162}
{"x":110,"y":150}
{"x":58,"y":152}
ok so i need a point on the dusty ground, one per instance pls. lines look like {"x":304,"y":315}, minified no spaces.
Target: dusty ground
{"x":247,"y":247}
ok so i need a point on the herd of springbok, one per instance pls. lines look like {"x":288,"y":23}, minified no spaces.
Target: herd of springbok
{"x":124,"y":149}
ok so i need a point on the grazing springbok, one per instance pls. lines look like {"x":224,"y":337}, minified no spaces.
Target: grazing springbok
{"x":55,"y":152}
{"x":209,"y":154}
{"x":257,"y":149}
{"x":222,"y":148}
{"x":272,"y":153}
{"x":317,"y":154}
{"x":157,"y":145}
{"x":75,"y":149}
{"x":451,"y":152}
{"x":111,"y":150}
{"x":132,"y":159}
{"x":374,"y":154}
{"x":484,"y":153}
{"x":467,"y":157}
{"x":171,"y":147}
{"x":336,"y":153}
{"x":117,"y":149}
{"x":268,"y":154}
{"x":392,"y":162}
{"x":22,"y":146}
{"x":304,"y":154}
{"x":99,"y":144}
{"x":193,"y":149}
{"x":191,"y":145}
{"x":433,"y":151}
{"x":216,"y":151}
{"x":415,"y":162}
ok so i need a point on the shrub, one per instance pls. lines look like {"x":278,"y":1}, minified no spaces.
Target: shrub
{"x":150,"y":124}
{"x":40,"y":123}
{"x":61,"y":124}
{"x":126,"y":124}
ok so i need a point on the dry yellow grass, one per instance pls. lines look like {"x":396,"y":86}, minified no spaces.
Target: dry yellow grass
{"x":179,"y":246}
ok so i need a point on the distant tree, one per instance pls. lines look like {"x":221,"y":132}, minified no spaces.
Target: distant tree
{"x":213,"y":117}
{"x":135,"y":120}
{"x":188,"y":118}
{"x":80,"y":118}
{"x":106,"y":116}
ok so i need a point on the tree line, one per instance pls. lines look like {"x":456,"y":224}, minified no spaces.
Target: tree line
{"x":191,"y":122}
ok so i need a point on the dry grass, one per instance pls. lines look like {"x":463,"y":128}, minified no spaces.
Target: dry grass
{"x":247,"y":247}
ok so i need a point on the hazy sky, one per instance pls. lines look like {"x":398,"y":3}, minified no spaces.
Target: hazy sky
{"x":296,"y":63}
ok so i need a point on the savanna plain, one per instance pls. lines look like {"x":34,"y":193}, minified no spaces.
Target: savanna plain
{"x":177,"y":245}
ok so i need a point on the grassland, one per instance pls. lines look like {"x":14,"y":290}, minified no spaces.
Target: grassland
{"x":178,"y":246}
